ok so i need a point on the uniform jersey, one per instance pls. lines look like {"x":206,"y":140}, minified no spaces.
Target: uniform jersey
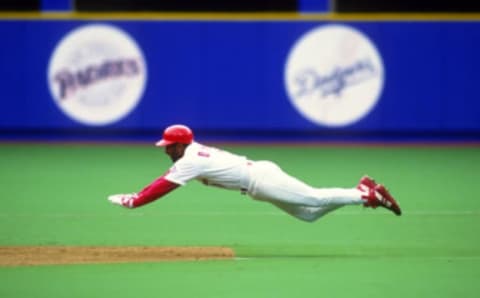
{"x":211,"y":166}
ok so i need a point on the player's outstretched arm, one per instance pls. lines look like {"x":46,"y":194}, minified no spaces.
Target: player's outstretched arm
{"x":150,"y":193}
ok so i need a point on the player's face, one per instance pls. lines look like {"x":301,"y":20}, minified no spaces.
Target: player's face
{"x":175,"y":151}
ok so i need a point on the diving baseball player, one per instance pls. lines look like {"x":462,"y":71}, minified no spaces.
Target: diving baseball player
{"x":261,"y":180}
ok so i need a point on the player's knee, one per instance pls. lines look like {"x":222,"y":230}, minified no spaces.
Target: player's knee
{"x":308,"y":217}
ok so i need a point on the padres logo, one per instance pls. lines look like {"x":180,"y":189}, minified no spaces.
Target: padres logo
{"x":334,"y":75}
{"x":97,"y":74}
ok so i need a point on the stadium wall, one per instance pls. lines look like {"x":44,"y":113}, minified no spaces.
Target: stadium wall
{"x":277,"y":77}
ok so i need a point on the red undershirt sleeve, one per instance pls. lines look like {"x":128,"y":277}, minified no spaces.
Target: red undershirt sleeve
{"x":154,"y":191}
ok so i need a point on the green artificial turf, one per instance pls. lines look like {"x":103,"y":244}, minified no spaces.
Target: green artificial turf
{"x":55,"y":194}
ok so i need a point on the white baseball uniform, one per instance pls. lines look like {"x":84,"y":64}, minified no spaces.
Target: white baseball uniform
{"x":261,"y":180}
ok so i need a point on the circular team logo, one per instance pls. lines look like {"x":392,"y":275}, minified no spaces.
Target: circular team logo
{"x":97,"y":74}
{"x":334,"y":75}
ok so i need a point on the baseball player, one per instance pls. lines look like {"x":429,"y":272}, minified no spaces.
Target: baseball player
{"x":261,"y":180}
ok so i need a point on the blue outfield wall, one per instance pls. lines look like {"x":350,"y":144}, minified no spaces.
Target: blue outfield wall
{"x":229,"y":78}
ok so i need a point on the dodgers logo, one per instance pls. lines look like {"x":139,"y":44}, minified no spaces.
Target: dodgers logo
{"x":97,"y":74}
{"x":334,"y":75}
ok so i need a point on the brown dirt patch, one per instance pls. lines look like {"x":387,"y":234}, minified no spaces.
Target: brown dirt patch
{"x":49,"y":255}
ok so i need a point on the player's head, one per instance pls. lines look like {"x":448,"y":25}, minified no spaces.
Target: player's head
{"x":175,"y":139}
{"x":177,"y":133}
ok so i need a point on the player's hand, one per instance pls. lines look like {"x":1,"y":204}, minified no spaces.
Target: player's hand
{"x":125,"y":200}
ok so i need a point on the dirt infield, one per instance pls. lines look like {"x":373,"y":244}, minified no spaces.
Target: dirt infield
{"x":50,"y":255}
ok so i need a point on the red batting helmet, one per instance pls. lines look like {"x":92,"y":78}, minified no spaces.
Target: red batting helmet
{"x":176,"y":134}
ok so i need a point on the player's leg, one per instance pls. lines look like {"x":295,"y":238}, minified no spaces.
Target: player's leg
{"x":309,"y":214}
{"x":274,"y":185}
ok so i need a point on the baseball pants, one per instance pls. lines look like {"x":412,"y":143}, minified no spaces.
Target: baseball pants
{"x":269,"y":183}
